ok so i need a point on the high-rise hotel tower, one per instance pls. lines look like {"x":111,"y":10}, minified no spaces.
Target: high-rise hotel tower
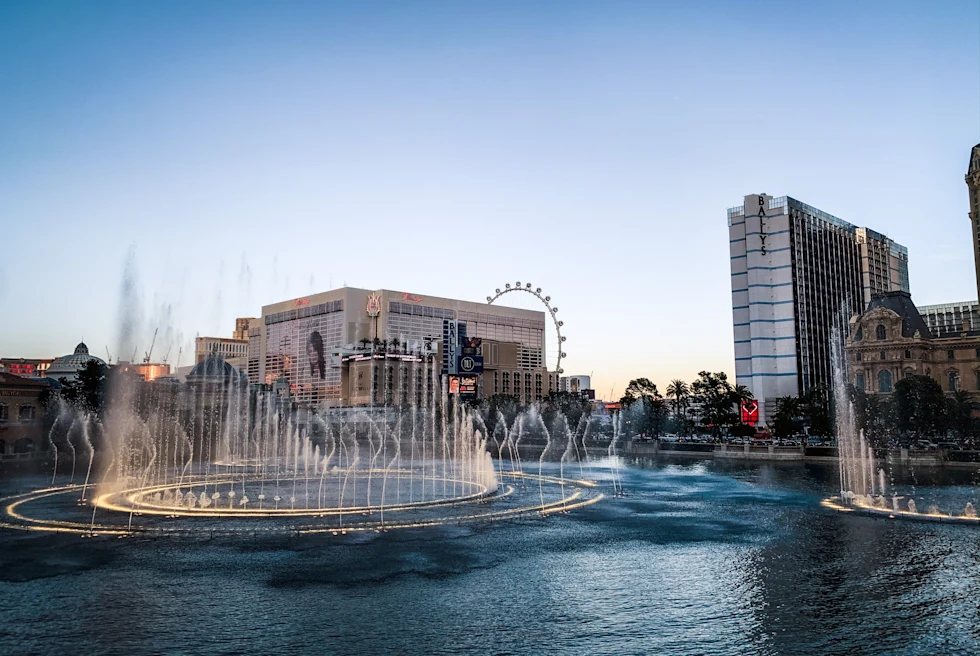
{"x":795,"y":271}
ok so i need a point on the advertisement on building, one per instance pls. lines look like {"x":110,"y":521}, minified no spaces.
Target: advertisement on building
{"x":451,"y":346}
{"x":299,"y":351}
{"x":750,"y":412}
{"x":470,"y":364}
{"x":463,"y":385}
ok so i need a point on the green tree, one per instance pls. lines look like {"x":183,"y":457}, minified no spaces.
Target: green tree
{"x":960,"y":407}
{"x":718,"y":400}
{"x":88,"y":392}
{"x":873,"y":415}
{"x":678,"y":392}
{"x":637,"y":389}
{"x":816,"y":411}
{"x":920,"y":407}
{"x":499,"y":407}
{"x":644,"y":406}
{"x":572,"y":406}
{"x":787,"y":420}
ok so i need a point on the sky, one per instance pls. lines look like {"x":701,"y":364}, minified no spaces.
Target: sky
{"x":175,"y":165}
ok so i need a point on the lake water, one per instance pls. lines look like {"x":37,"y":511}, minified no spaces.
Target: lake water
{"x":698,"y":558}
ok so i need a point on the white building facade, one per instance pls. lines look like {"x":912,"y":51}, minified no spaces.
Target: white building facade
{"x":796,"y":272}
{"x":302,"y":340}
{"x":574,"y":384}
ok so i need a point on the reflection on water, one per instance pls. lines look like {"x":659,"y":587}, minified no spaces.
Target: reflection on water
{"x":697,"y":558}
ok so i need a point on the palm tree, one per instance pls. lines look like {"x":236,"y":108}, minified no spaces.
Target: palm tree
{"x":742,"y":393}
{"x":961,"y":406}
{"x":679,"y":392}
{"x":738,"y":395}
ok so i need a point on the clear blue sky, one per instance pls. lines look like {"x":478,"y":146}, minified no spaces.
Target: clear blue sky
{"x":253,"y":152}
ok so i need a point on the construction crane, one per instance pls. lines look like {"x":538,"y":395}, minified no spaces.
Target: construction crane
{"x":108,"y":355}
{"x":146,"y":360}
{"x":167,"y":356}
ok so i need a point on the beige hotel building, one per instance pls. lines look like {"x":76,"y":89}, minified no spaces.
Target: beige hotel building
{"x":348,"y":346}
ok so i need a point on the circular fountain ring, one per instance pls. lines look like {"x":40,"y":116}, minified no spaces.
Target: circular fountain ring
{"x":147,"y":501}
{"x":839,"y":505}
{"x":124,"y":513}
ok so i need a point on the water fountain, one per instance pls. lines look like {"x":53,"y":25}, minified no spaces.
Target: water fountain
{"x":863,"y":483}
{"x":216,"y":455}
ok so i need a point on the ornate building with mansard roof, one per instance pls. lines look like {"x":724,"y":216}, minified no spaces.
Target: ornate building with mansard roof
{"x":890,"y":341}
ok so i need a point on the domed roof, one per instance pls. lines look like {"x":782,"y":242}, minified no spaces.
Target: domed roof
{"x":67,"y":366}
{"x":213,"y":369}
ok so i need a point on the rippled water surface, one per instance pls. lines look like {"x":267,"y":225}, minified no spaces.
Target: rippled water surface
{"x":698,"y":558}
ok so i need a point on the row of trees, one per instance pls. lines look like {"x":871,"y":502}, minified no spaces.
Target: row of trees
{"x":917,"y":409}
{"x":709,"y":404}
{"x":810,"y":414}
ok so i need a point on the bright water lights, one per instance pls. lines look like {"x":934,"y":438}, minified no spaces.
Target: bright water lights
{"x":222,"y":458}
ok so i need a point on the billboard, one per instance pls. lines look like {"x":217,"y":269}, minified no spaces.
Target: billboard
{"x":750,"y":412}
{"x":470,"y":364}
{"x":463,"y":385}
{"x":21,"y":368}
{"x":299,"y":350}
{"x":472,"y":346}
{"x":451,"y":346}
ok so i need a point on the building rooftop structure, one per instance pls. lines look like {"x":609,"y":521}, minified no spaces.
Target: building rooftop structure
{"x":901,"y":304}
{"x":215,"y":369}
{"x":68,"y":366}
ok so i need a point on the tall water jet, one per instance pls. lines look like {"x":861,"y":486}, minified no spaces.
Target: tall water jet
{"x":856,"y":461}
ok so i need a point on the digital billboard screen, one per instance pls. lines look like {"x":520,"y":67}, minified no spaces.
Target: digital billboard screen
{"x":299,"y":351}
{"x":463,"y":385}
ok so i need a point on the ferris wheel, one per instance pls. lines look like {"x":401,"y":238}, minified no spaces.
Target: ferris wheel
{"x":553,"y":311}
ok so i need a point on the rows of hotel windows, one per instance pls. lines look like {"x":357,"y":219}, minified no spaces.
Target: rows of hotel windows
{"x":414,"y":309}
{"x":826,"y":263}
{"x":225,"y":349}
{"x":24,"y":412}
{"x":411,"y":383}
{"x":510,"y":383}
{"x":254,"y":359}
{"x":305,"y":312}
{"x":882,"y":355}
{"x":884,"y":381}
{"x":497,"y":320}
{"x":527,"y":332}
{"x":950,"y":318}
{"x":406,"y":328}
{"x":392,"y":384}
